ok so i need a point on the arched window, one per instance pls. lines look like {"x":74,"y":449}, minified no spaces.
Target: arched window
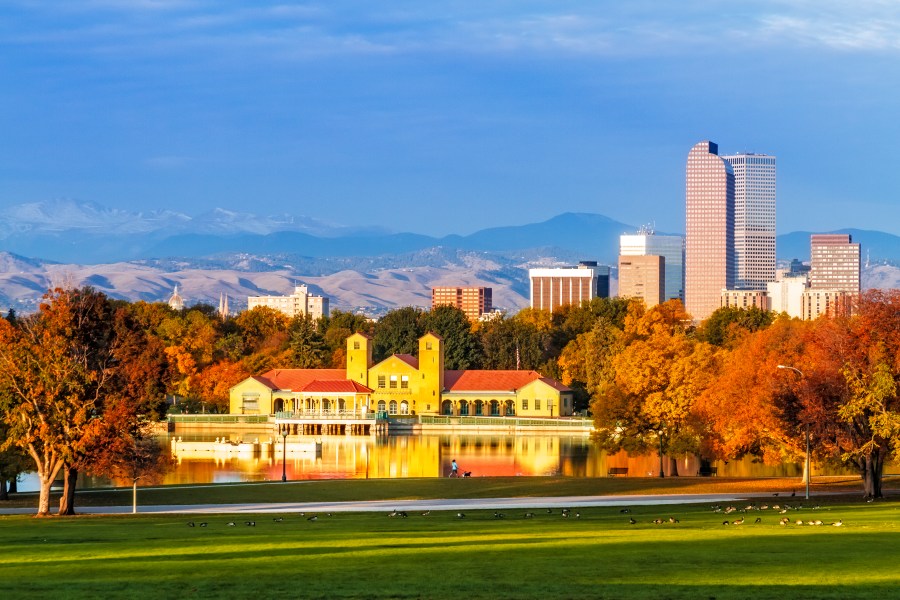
{"x":342,"y":405}
{"x":404,"y":407}
{"x":393,"y":408}
{"x":381,"y":406}
{"x":510,"y":408}
{"x":463,"y":408}
{"x":479,"y":408}
{"x":326,"y":406}
{"x":279,"y":405}
{"x":495,"y":408}
{"x":446,"y":408}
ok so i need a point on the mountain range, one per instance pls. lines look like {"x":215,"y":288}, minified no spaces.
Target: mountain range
{"x":144,"y":255}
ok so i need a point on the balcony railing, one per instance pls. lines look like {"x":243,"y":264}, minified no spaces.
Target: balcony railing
{"x":579,"y":423}
{"x":330,"y":414}
{"x":208,"y":418}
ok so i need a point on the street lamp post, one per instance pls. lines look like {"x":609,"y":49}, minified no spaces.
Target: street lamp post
{"x":284,"y":434}
{"x":807,"y":466}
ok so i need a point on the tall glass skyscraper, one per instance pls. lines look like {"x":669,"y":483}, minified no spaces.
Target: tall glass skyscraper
{"x":709,"y":228}
{"x":754,"y":220}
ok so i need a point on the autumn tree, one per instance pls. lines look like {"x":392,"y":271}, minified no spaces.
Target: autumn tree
{"x":655,"y":377}
{"x":55,"y":371}
{"x":751,"y":407}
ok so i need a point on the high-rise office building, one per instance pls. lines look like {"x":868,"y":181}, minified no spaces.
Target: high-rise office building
{"x":754,"y":220}
{"x":642,"y":277}
{"x":834,"y":260}
{"x":552,"y":288}
{"x":671,"y":247}
{"x":709,"y":225}
{"x":474,"y":301}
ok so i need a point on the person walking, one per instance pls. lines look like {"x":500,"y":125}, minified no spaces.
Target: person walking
{"x":454,"y":469}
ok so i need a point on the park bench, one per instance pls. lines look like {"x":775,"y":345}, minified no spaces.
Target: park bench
{"x":708,"y":472}
{"x":613,"y":471}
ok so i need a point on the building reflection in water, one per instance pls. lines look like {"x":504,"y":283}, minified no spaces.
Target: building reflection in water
{"x":399,"y":456}
{"x":230,"y":457}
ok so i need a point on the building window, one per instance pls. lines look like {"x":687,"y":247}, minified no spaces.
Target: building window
{"x":404,"y":382}
{"x":524,"y":403}
{"x":393,"y":382}
{"x":250,"y":403}
{"x":393,"y":408}
{"x":404,"y":408}
{"x":381,"y":406}
{"x":428,"y":345}
{"x":356,"y":345}
{"x":381,"y":381}
{"x":537,"y":404}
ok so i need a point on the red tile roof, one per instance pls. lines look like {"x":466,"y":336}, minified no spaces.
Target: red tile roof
{"x":473,"y":380}
{"x":336,"y":386}
{"x":409,"y":359}
{"x":297,"y":379}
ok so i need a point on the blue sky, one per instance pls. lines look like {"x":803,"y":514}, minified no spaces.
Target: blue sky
{"x":449,"y":117}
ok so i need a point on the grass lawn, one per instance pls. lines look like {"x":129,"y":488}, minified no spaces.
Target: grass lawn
{"x":371,"y":555}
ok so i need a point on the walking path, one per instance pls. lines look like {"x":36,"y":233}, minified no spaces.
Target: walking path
{"x":411,"y":505}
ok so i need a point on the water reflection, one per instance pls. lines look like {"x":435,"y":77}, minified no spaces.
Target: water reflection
{"x":220,"y":457}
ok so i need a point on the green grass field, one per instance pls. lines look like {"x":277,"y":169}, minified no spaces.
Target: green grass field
{"x":371,"y":555}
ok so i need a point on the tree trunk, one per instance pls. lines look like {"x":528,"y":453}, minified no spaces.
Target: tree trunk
{"x":44,"y":495}
{"x":14,"y":485}
{"x":871,"y":468}
{"x":673,"y":467}
{"x":134,"y":496}
{"x":67,"y":502}
{"x":3,"y":493}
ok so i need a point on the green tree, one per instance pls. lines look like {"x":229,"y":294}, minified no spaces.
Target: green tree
{"x":462,"y":349}
{"x":726,"y":325}
{"x":306,"y":345}
{"x":398,"y":332}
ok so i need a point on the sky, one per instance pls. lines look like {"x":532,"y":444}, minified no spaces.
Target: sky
{"x":449,"y":117}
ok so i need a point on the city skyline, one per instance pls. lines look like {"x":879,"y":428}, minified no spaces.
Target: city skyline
{"x":387,"y":115}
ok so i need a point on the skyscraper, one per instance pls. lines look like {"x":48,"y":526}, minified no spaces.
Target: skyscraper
{"x":642,"y":277}
{"x":552,"y":288}
{"x":671,"y":247}
{"x":834,"y":262}
{"x":709,"y":225}
{"x":754,"y":220}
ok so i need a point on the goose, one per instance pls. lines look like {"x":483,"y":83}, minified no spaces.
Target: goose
{"x":631,"y":520}
{"x":312,"y":518}
{"x":191,"y":524}
{"x":838,"y":523}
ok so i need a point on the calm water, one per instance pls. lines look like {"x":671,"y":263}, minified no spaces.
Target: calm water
{"x":214,"y":458}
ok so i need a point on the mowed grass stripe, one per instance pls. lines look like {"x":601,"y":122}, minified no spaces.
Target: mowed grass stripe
{"x":372,"y":556}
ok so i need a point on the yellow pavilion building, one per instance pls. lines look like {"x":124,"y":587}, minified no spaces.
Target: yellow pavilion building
{"x":401,"y":384}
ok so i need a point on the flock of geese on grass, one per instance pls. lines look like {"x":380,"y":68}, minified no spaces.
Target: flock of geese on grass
{"x":566,"y":513}
{"x":780,"y":509}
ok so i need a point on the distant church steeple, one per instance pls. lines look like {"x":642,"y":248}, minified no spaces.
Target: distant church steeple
{"x":176,"y":302}
{"x":223,"y":306}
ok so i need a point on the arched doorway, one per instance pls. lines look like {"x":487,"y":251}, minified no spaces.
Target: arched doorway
{"x":463,"y":408}
{"x":279,"y":405}
{"x":495,"y":408}
{"x":404,"y":407}
{"x":382,"y":406}
{"x":446,"y":408}
{"x":510,"y":408}
{"x":479,"y":408}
